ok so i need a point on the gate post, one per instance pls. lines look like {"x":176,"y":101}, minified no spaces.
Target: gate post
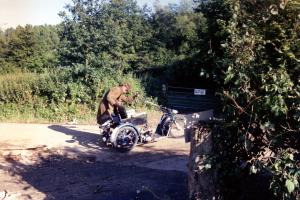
{"x":202,"y":174}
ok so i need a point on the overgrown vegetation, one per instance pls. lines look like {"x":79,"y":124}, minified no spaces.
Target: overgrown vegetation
{"x":59,"y":94}
{"x":98,"y":45}
{"x":247,"y":50}
{"x":254,"y":55}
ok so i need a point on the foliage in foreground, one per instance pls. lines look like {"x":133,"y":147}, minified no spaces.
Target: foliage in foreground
{"x":255,"y":57}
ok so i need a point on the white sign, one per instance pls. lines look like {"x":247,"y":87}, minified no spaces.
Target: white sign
{"x":199,"y":92}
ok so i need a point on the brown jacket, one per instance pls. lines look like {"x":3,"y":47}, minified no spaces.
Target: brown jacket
{"x":106,"y":106}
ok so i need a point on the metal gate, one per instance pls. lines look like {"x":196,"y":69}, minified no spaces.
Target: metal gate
{"x":191,"y":100}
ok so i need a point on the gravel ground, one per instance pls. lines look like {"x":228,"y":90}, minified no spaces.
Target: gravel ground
{"x":47,"y":161}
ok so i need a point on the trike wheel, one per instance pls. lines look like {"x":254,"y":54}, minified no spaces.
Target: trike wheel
{"x":126,"y":138}
{"x":164,"y":128}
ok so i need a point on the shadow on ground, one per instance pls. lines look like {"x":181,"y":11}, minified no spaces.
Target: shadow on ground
{"x":85,"y":139}
{"x":62,"y":177}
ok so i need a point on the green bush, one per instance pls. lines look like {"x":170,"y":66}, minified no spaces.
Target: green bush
{"x":254,"y":53}
{"x":42,"y":112}
{"x":17,"y":87}
{"x":59,"y":95}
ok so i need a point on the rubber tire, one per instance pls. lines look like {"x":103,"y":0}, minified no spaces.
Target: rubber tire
{"x":134,"y":131}
{"x":164,"y":127}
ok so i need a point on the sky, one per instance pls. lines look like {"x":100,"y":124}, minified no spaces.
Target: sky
{"x":39,"y":12}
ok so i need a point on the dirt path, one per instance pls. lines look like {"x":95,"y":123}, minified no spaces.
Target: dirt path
{"x":42,"y":161}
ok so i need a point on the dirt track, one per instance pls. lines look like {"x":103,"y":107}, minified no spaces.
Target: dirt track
{"x":41,"y":161}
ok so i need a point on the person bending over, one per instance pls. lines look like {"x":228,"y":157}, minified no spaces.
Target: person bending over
{"x":112,"y":103}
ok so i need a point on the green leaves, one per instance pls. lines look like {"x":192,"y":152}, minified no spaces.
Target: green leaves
{"x":255,"y":59}
{"x":286,"y":174}
{"x":290,"y":186}
{"x":99,"y":29}
{"x":253,"y":170}
{"x":31,"y":47}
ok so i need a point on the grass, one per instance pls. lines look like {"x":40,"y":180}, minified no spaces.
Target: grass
{"x":29,"y":113}
{"x":62,"y":113}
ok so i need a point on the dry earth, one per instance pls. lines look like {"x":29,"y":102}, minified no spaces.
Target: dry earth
{"x":46,"y":161}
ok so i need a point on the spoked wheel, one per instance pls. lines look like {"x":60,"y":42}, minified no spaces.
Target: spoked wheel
{"x":127,"y":138}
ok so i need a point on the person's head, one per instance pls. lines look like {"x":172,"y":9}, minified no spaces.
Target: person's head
{"x":125,"y":87}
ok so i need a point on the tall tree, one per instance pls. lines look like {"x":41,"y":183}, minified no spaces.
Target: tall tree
{"x":20,"y":45}
{"x":2,"y":47}
{"x":46,"y":47}
{"x":104,"y":33}
{"x":30,"y":47}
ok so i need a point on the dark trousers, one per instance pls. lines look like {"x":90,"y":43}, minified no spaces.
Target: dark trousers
{"x":120,"y":110}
